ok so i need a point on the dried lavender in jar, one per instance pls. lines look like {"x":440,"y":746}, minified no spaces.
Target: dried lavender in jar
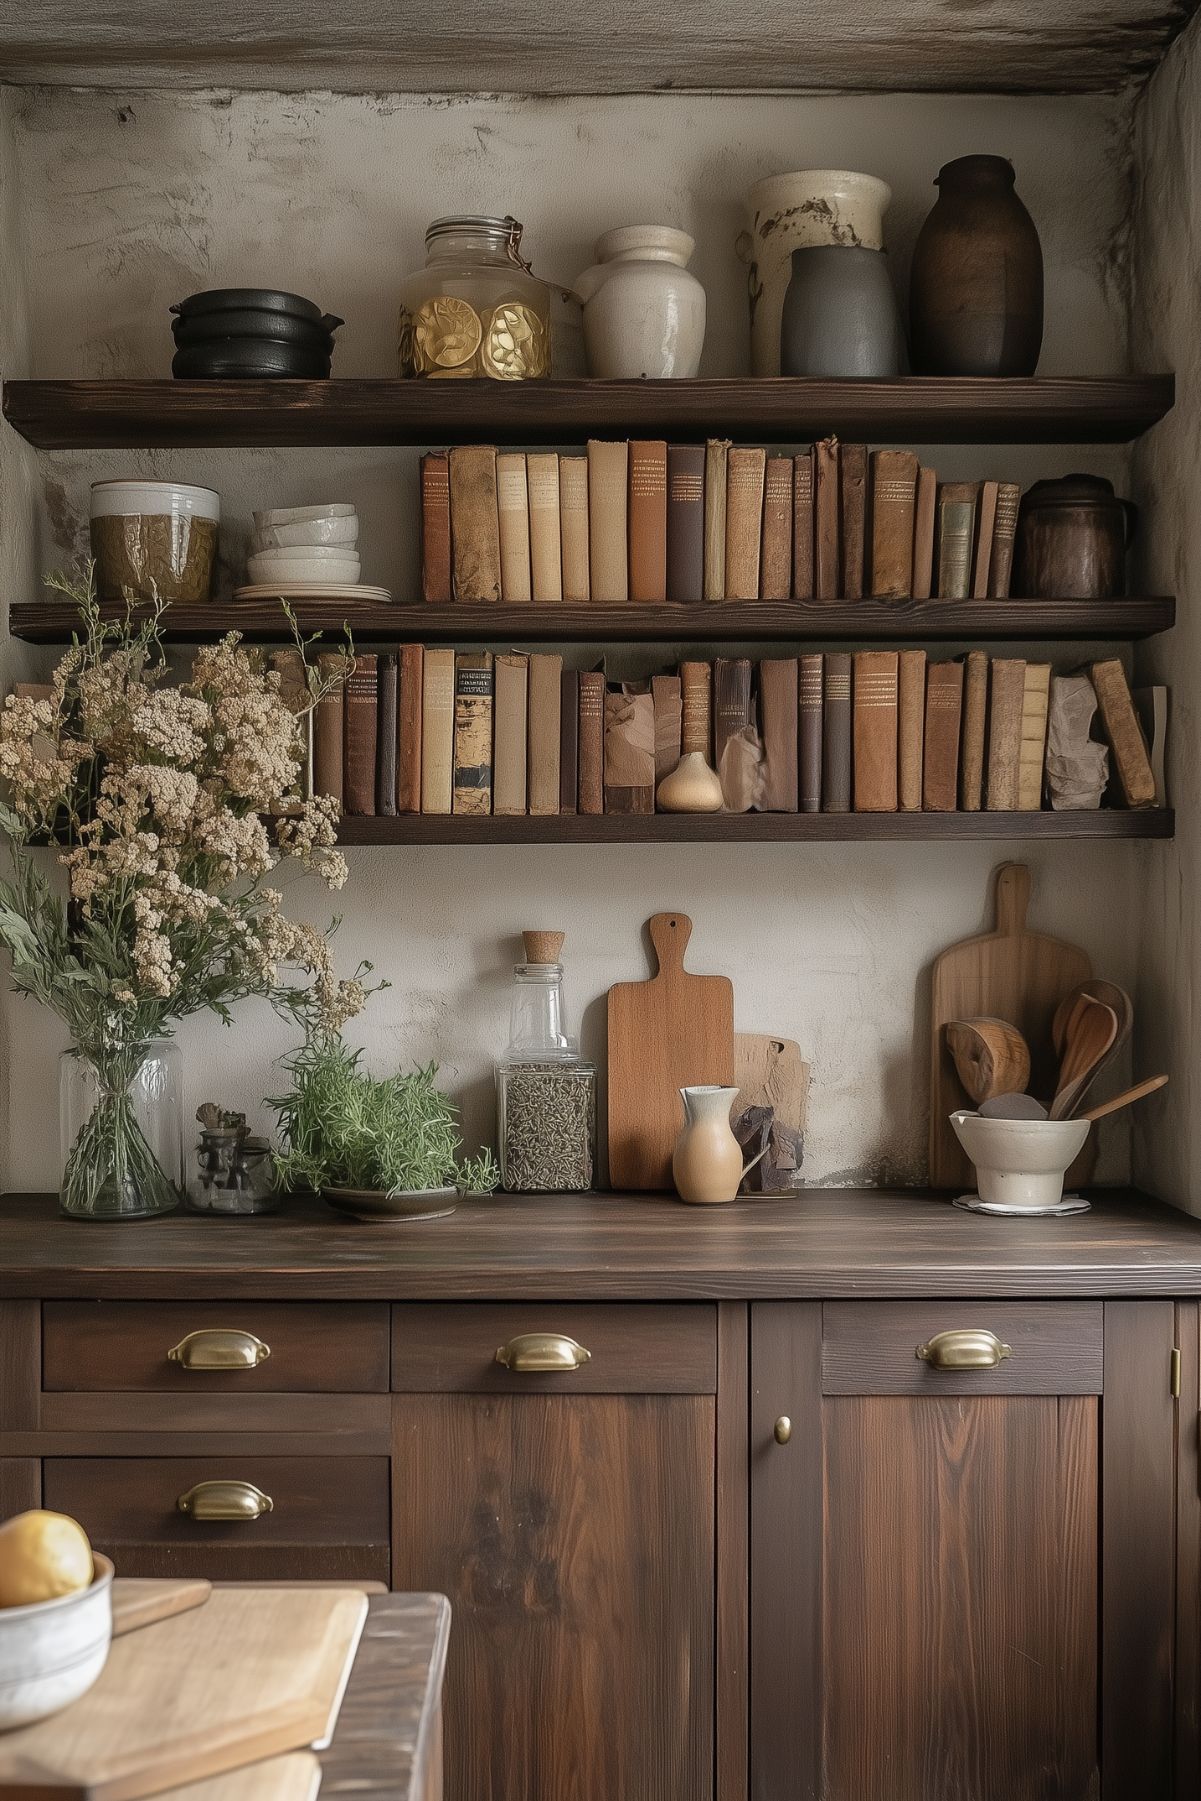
{"x":545,"y":1091}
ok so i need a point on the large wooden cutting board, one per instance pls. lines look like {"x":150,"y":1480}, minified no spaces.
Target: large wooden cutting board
{"x":142,"y":1600}
{"x":675,"y":1031}
{"x":252,"y":1673}
{"x":1009,"y":973}
{"x":296,"y":1777}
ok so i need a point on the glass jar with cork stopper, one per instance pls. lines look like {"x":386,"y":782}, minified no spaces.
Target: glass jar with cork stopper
{"x":545,"y":1091}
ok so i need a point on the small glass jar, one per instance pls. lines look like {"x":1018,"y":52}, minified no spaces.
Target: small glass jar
{"x":545,"y":1091}
{"x":476,"y":308}
{"x":232,"y":1172}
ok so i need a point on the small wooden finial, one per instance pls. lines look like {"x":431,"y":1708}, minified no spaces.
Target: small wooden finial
{"x":542,"y":947}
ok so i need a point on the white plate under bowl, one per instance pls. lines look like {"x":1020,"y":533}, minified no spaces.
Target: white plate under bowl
{"x":1070,"y":1203}
{"x":343,"y":593}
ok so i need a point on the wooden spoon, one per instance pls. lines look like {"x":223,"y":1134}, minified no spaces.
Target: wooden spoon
{"x":1090,"y":1032}
{"x":991,"y":1056}
{"x":1114,"y":997}
{"x":1126,"y":1097}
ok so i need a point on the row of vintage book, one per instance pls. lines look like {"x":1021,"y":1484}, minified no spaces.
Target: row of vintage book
{"x":647,"y":521}
{"x":431,"y":729}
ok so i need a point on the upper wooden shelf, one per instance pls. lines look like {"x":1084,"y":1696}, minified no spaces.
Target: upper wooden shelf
{"x":81,"y":415}
{"x":52,"y":622}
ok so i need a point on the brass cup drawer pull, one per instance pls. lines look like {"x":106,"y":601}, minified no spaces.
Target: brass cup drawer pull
{"x":968,"y":1348}
{"x":219,"y":1348}
{"x":542,"y":1353}
{"x":225,"y":1501}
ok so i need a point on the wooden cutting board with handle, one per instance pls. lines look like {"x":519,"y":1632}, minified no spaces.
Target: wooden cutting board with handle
{"x":141,"y":1600}
{"x":1009,"y":973}
{"x":770,"y":1072}
{"x":674,"y":1031}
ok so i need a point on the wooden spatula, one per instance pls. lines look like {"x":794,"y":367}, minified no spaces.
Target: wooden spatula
{"x":1089,"y":1035}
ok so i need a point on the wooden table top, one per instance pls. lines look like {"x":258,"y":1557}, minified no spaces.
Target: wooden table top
{"x":387,"y":1734}
{"x":822,"y":1243}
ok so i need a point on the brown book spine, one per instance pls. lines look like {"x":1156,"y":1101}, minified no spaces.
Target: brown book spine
{"x":473,"y":731}
{"x":410,"y":679}
{"x":775,"y":561}
{"x":802,"y":525}
{"x":629,"y":751}
{"x":546,"y":689}
{"x":696,"y":685}
{"x":289,"y":665}
{"x":986,"y":520}
{"x":893,"y":509}
{"x":435,"y":528}
{"x":744,"y":521}
{"x":852,"y":488}
{"x":1130,"y":754}
{"x":811,"y":723}
{"x":731,"y":711}
{"x":648,"y":520}
{"x":569,"y":741}
{"x":328,"y":728}
{"x":510,"y":709}
{"x":836,"y":733}
{"x":827,"y":531}
{"x":1005,"y":733}
{"x":573,"y":526}
{"x":779,"y":720}
{"x":608,"y":505}
{"x":546,"y":553}
{"x":667,"y":696}
{"x":385,"y":738}
{"x":1005,"y":526}
{"x":1036,"y":693}
{"x":944,"y":708}
{"x":956,"y":537}
{"x":474,"y":523}
{"x":911,"y":728}
{"x":592,"y":741}
{"x":717,"y":452}
{"x":361,"y":726}
{"x":975,"y":716}
{"x":925,"y":515}
{"x":874,"y":725}
{"x":685,"y":522}
{"x":438,"y":730}
{"x":513,"y":517}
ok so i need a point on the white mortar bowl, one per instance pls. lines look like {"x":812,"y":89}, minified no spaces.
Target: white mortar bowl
{"x":1020,"y":1162}
{"x":52,"y":1651}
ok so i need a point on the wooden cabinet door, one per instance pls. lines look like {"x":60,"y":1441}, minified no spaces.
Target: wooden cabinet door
{"x":934,"y":1551}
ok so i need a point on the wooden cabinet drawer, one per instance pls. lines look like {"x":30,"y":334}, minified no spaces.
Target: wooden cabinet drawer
{"x":328,"y":1515}
{"x":870,"y":1347}
{"x":313,"y":1346}
{"x":635,"y":1349}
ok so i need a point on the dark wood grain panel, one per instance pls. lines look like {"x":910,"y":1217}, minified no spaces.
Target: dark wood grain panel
{"x":1187,"y":1677}
{"x":449,"y":1349}
{"x":20,"y":1365}
{"x":575,"y":1539}
{"x":732,"y":1518}
{"x":107,"y":1441}
{"x":387,"y":1744}
{"x":91,"y":1346}
{"x":20,"y":1485}
{"x":331,"y":1415}
{"x":1053,"y":1350}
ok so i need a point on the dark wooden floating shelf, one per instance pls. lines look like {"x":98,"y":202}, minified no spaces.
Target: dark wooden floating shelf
{"x":754,"y":828}
{"x":43,"y":622}
{"x":80,"y":415}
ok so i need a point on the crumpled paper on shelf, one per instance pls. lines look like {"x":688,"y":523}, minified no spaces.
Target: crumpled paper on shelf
{"x":1077,"y":765}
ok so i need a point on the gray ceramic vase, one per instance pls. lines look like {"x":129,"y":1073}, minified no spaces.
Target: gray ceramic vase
{"x":840,"y":315}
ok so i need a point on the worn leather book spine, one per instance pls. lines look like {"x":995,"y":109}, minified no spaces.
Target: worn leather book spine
{"x":473,"y":731}
{"x":975,"y":716}
{"x":289,"y":665}
{"x":1032,"y":754}
{"x":811,"y":724}
{"x":385,"y":741}
{"x":874,"y":728}
{"x":592,"y":741}
{"x":802,"y":525}
{"x":435,"y":528}
{"x":510,"y":707}
{"x":731,"y":705}
{"x":546,"y":554}
{"x":569,"y":741}
{"x":956,"y":537}
{"x":1004,"y":733}
{"x":1131,"y":757}
{"x":648,"y":520}
{"x":911,"y":728}
{"x":546,"y":688}
{"x":893,"y":510}
{"x":608,"y":542}
{"x":925,"y":514}
{"x":744,"y":521}
{"x":474,"y":523}
{"x":696,"y":687}
{"x":944,"y":711}
{"x":1005,"y":525}
{"x":513,"y":517}
{"x":836,"y":733}
{"x":629,"y":751}
{"x":717,"y":452}
{"x":852,"y":491}
{"x":685,"y":522}
{"x":359,"y":741}
{"x":438,"y":730}
{"x":573,"y":528}
{"x":827,"y":528}
{"x":410,"y":670}
{"x":986,"y":521}
{"x":328,"y":730}
{"x":667,"y":696}
{"x":779,"y":722}
{"x":775,"y":561}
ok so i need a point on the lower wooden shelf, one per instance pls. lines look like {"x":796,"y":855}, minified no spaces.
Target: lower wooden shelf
{"x":752,"y":828}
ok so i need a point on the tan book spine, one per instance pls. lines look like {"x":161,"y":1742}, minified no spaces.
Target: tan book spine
{"x":779,"y":723}
{"x":592,"y":741}
{"x":874,"y":724}
{"x":744,"y":521}
{"x":436,"y":585}
{"x":975,"y":716}
{"x":1005,"y":525}
{"x":546,"y":556}
{"x":410,"y":686}
{"x":925,"y":520}
{"x":957,"y":503}
{"x":608,"y":499}
{"x":911,"y":729}
{"x":944,"y":712}
{"x":827,"y":530}
{"x":289,"y":665}
{"x":852,"y":492}
{"x":1005,"y":733}
{"x":802,"y":525}
{"x":775,"y":561}
{"x":328,"y":728}
{"x":667,"y":695}
{"x":509,"y":750}
{"x":648,"y":520}
{"x":573,"y":526}
{"x":513,"y":516}
{"x":474,"y":523}
{"x":893,"y":509}
{"x":696,"y":683}
{"x":1036,"y":692}
{"x":986,"y":520}
{"x":717,"y":452}
{"x":1131,"y":757}
{"x":438,"y":730}
{"x":473,"y":732}
{"x":546,"y":687}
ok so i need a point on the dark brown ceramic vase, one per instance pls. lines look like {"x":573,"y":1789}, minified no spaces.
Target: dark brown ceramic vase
{"x":976,"y":285}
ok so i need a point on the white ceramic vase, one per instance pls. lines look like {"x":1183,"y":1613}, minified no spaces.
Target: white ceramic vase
{"x":804,"y":210}
{"x":644,"y":314}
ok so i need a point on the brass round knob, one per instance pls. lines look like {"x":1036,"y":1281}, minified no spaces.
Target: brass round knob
{"x":782,"y":1431}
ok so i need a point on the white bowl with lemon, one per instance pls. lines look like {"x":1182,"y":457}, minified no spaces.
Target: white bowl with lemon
{"x":56,"y":1616}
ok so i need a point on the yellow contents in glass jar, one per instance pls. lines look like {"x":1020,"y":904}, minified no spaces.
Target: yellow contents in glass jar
{"x":477,"y":308}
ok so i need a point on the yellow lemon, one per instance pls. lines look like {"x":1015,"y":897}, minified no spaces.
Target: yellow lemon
{"x":42,"y":1555}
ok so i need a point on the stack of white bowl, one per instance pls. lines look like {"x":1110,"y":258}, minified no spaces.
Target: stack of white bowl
{"x":305,"y":547}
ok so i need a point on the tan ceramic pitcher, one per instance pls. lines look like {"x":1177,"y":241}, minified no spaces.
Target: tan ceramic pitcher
{"x":707,"y":1161}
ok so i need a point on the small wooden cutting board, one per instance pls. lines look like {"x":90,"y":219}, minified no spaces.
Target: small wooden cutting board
{"x":141,"y":1600}
{"x":770,"y":1072}
{"x":675,"y":1031}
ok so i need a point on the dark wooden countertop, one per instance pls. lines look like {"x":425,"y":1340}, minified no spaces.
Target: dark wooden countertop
{"x":824,"y":1243}
{"x":387,"y":1739}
